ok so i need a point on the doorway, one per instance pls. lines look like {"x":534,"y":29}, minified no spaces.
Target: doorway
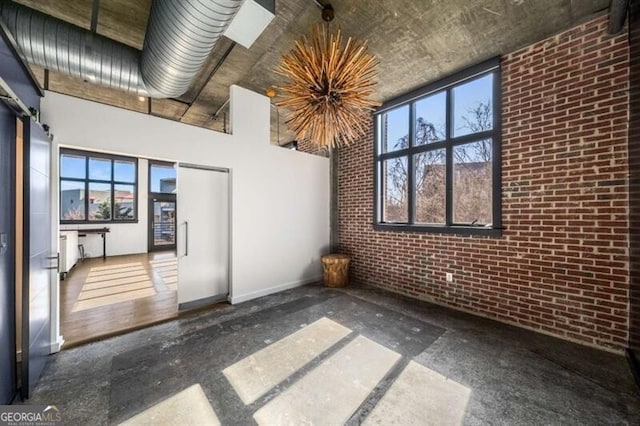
{"x":125,"y":278}
{"x":162,"y":206}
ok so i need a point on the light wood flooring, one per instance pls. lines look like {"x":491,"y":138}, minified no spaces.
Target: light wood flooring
{"x":101,"y":298}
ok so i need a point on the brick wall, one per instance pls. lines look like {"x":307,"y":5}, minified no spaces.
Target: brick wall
{"x":634,"y":183}
{"x":562,"y":264}
{"x":308,"y":146}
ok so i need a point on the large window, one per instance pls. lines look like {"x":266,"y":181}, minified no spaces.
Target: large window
{"x":97,"y":187}
{"x":438,"y":156}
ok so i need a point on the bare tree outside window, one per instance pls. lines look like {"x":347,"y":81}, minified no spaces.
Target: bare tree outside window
{"x":421,"y":164}
{"x":472,"y":181}
{"x":396,"y":190}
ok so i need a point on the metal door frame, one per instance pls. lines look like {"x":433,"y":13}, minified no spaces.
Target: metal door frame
{"x":159,"y":197}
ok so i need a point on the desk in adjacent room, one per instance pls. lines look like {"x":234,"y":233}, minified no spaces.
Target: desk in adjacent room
{"x":102,"y":232}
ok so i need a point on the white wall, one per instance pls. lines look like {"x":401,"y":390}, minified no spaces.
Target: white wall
{"x":123,"y":238}
{"x":280,"y":198}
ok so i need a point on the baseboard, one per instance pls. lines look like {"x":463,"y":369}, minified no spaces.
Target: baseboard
{"x":56,"y":346}
{"x":634,"y":364}
{"x":276,"y":289}
{"x":194,"y":304}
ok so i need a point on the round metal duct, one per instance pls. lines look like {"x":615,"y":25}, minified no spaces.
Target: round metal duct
{"x":180,"y":36}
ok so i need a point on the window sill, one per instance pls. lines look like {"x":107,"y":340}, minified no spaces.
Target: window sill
{"x":457,"y":230}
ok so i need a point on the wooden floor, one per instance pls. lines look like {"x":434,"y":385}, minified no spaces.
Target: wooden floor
{"x":104,"y":297}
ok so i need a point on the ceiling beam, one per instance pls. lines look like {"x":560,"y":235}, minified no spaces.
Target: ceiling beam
{"x":95,"y":11}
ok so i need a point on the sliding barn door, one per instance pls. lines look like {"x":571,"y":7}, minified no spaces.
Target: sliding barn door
{"x":7,"y":258}
{"x":40,"y":261}
{"x":203,"y":235}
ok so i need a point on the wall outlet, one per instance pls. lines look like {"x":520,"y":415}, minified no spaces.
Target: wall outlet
{"x":449,"y":277}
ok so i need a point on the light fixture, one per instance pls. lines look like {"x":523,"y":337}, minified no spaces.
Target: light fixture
{"x":329,"y":88}
{"x":142,"y":98}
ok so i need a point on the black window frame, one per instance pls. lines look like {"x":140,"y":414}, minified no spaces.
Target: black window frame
{"x":87,"y":181}
{"x":169,"y":197}
{"x":446,"y":84}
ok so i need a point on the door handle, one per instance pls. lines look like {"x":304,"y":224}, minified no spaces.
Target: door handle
{"x":57,"y":258}
{"x":186,"y":238}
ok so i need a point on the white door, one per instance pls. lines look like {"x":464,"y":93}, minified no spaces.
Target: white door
{"x":203,"y":235}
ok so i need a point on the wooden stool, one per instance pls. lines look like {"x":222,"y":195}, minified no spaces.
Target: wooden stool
{"x":336,"y":270}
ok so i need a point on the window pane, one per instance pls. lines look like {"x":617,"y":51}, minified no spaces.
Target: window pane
{"x":73,"y":166}
{"x":164,"y":223}
{"x":472,"y":183}
{"x":124,"y":171}
{"x":430,"y":186}
{"x":99,"y":169}
{"x":163,"y":179}
{"x":125,"y":202}
{"x":395,"y":206}
{"x":71,"y":200}
{"x":431,"y":118}
{"x":395,"y":129}
{"x":99,"y":201}
{"x":473,"y":106}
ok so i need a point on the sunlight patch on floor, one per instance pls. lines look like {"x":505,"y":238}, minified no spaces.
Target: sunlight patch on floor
{"x":189,"y":407}
{"x":421,"y":396}
{"x":124,"y":284}
{"x":109,"y":291}
{"x":112,"y":299}
{"x":167,"y":269}
{"x":123,"y":274}
{"x":112,"y":267}
{"x":115,"y":282}
{"x":256,"y":374}
{"x":333,"y":391}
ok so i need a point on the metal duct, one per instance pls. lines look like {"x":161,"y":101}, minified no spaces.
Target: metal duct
{"x":180,"y":36}
{"x":62,"y":47}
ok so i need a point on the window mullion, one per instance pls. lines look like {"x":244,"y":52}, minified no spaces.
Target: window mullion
{"x":377,"y":200}
{"x":86,"y":188}
{"x":113,"y":195}
{"x":411,"y":186}
{"x":448,"y":161}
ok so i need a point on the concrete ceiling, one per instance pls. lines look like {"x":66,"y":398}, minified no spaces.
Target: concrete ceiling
{"x":416,"y":41}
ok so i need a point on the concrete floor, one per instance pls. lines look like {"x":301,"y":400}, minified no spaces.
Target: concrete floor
{"x":387,"y":360}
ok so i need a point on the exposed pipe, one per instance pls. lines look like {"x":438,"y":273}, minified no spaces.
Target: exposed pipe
{"x":180,"y":36}
{"x":617,"y":15}
{"x":62,"y":47}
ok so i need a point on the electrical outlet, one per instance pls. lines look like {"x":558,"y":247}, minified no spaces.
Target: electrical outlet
{"x":449,"y":277}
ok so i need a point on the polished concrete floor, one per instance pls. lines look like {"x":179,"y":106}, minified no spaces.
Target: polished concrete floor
{"x":102,"y":297}
{"x":314,"y":355}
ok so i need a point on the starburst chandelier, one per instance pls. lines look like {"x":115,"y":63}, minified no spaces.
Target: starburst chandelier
{"x":328,"y":95}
